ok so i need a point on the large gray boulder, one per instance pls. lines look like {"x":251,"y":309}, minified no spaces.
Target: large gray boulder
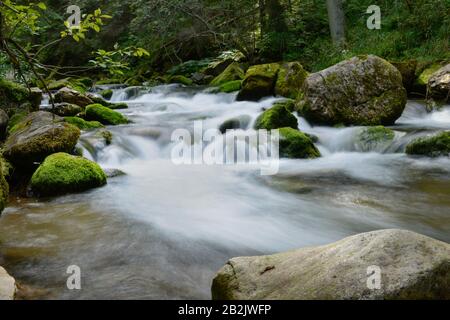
{"x":7,"y":286}
{"x":439,"y":84}
{"x":365,"y":90}
{"x":412,"y":266}
{"x":37,"y":136}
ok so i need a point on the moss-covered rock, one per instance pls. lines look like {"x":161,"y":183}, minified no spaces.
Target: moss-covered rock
{"x":104,"y":115}
{"x":81,"y":85}
{"x":37,"y":136}
{"x":365,"y":90}
{"x":290,"y":80}
{"x":297,"y":145}
{"x":12,"y":96}
{"x":431,"y":146}
{"x":68,"y":95}
{"x":14,"y":120}
{"x":181,"y":80}
{"x":413,"y":267}
{"x":62,"y":173}
{"x":421,"y":82}
{"x":111,"y":105}
{"x":231,"y":86}
{"x":276,"y":117}
{"x":117,"y":106}
{"x":232,"y":73}
{"x":106,"y":94}
{"x":439,"y":84}
{"x":374,"y":138}
{"x":83,"y":124}
{"x":259,"y":82}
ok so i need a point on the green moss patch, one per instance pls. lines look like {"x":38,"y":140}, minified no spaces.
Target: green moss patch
{"x":434,"y":146}
{"x":296,"y":144}
{"x":232,"y":73}
{"x":62,"y":173}
{"x":231,"y":86}
{"x":104,"y":115}
{"x":83,"y":124}
{"x":276,"y":117}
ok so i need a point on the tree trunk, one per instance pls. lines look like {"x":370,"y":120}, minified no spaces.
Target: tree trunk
{"x":336,"y":20}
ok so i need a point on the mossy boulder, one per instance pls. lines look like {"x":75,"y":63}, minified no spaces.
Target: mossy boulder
{"x":12,"y":96}
{"x":181,"y":80}
{"x":374,"y":138}
{"x":290,"y":80}
{"x":118,"y":106}
{"x":408,"y":71}
{"x":106,"y":94}
{"x":365,"y":90}
{"x":232,"y":73}
{"x":83,"y":124}
{"x":412,"y":266}
{"x":37,"y":136}
{"x":67,"y":95}
{"x":431,"y":146}
{"x":297,"y":145}
{"x":64,"y":109}
{"x":231,"y":86}
{"x":100,"y":100}
{"x":439,"y":84}
{"x":259,"y":82}
{"x":104,"y":115}
{"x":15,"y":120}
{"x":421,"y":82}
{"x":276,"y":117}
{"x":63,"y":173}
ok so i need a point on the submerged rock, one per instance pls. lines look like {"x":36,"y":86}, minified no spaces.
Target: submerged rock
{"x":7,"y":286}
{"x":240,"y":122}
{"x":37,"y":136}
{"x":72,"y":96}
{"x":104,"y":115}
{"x":290,"y":80}
{"x":365,"y":90}
{"x":439,"y":84}
{"x":412,"y":266}
{"x":232,"y":73}
{"x":259,"y":82}
{"x":374,"y":138}
{"x":431,"y":146}
{"x":276,"y":117}
{"x":295,"y":144}
{"x":63,"y":173}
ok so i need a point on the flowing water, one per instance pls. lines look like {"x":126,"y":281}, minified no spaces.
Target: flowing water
{"x":162,"y":231}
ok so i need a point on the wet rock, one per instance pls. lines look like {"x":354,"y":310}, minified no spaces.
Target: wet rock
{"x":104,"y":115}
{"x":113,"y":173}
{"x":7,"y":286}
{"x":365,"y":90}
{"x":64,"y":109}
{"x":36,"y":96}
{"x":290,"y":79}
{"x":232,"y":73}
{"x":241,"y":122}
{"x":83,"y":124}
{"x":374,"y":138}
{"x":62,"y":173}
{"x":259,"y":82}
{"x":412,"y":266}
{"x":217,"y":67}
{"x":74,"y":97}
{"x":37,"y":136}
{"x":431,"y":146}
{"x":408,"y":71}
{"x":295,"y":144}
{"x":439,"y":84}
{"x":276,"y":117}
{"x":421,"y":83}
